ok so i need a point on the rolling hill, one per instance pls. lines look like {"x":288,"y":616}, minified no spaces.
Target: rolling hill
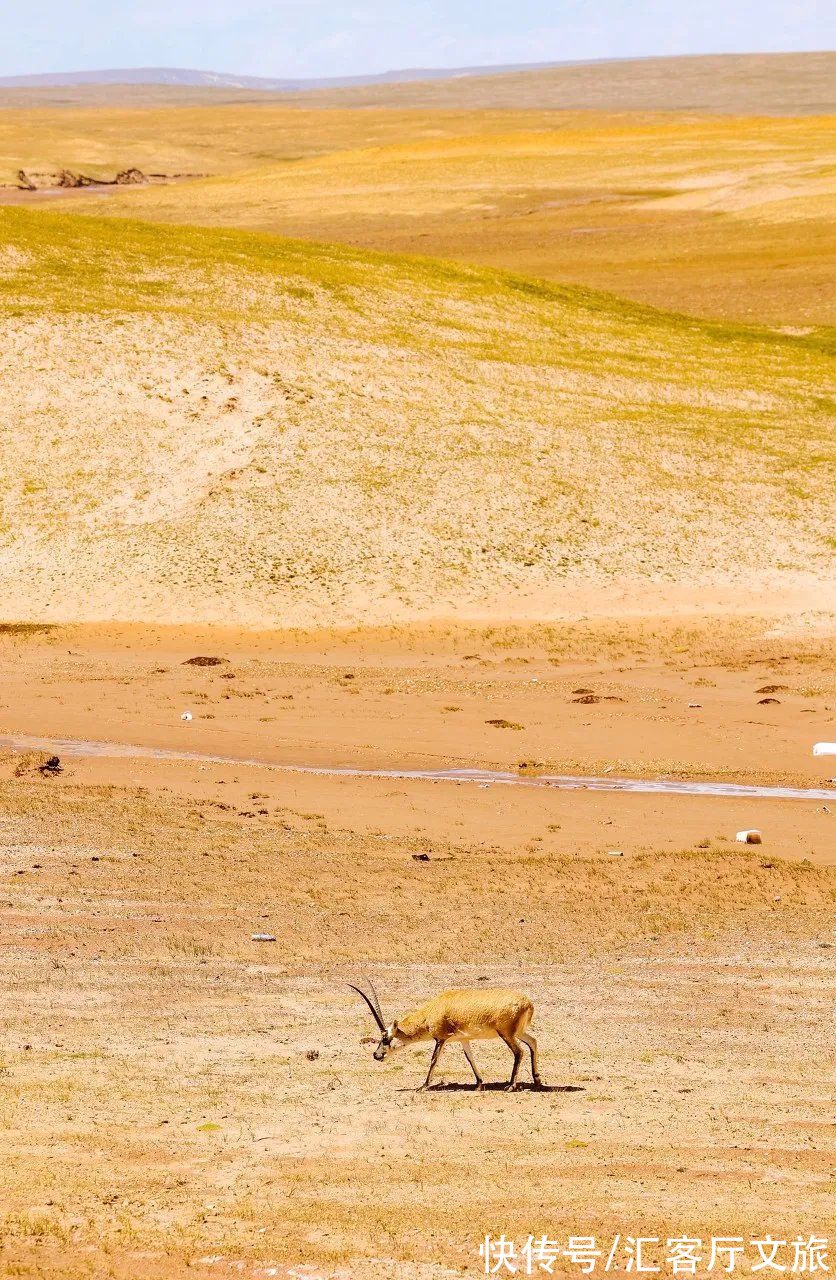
{"x":734,"y":83}
{"x":213,"y":425}
{"x":729,"y":218}
{"x":186,"y":77}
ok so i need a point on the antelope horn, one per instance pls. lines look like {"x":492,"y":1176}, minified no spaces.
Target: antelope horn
{"x":375,"y":998}
{"x":374,"y":1012}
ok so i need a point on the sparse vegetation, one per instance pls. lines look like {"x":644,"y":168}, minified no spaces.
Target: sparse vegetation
{"x":638,"y":407}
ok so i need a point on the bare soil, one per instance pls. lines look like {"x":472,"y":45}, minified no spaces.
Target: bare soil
{"x":177,"y":1099}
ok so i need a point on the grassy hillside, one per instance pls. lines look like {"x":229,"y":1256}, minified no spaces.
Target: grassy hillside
{"x":726,"y":218}
{"x":209,"y":424}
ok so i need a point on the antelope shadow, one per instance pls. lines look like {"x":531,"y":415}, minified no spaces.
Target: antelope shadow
{"x":498,"y":1086}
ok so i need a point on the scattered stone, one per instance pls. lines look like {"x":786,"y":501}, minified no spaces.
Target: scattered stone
{"x":262,"y":937}
{"x":583,"y":690}
{"x":420,"y":857}
{"x":749,"y":837}
{"x":51,"y":767}
{"x":587,"y":698}
{"x":130,"y":177}
{"x":312,"y":1055}
{"x":769,"y":702}
{"x":694,"y":706}
{"x":202,"y":660}
{"x":773,"y":688}
{"x":186,"y":715}
{"x":66,"y":178}
{"x":17,"y":764}
{"x":504,"y":724}
{"x":615,"y":853}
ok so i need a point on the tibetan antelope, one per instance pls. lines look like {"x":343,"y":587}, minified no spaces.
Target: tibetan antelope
{"x":461,"y":1016}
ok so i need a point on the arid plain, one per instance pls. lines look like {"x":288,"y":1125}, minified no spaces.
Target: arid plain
{"x":552,"y":498}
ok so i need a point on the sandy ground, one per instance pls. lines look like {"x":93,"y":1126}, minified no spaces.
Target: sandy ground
{"x":178,"y":1099}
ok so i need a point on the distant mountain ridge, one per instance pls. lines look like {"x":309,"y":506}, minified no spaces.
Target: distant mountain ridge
{"x":216,"y":79}
{"x":727,"y":83}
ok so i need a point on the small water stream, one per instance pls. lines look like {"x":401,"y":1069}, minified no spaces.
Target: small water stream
{"x":485,"y":777}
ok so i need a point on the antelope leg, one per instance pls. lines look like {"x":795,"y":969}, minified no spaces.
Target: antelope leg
{"x":439,"y":1045}
{"x":468,"y":1053}
{"x":516,"y":1049}
{"x":528,"y":1038}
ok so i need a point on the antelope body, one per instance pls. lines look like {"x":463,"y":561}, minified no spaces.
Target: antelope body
{"x":461,"y":1016}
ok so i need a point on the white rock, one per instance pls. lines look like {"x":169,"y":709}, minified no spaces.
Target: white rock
{"x":749,"y":837}
{"x":824,"y":749}
{"x":187,"y":715}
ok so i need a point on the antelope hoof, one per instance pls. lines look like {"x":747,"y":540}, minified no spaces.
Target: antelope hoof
{"x":512,"y":1088}
{"x":479,"y":1087}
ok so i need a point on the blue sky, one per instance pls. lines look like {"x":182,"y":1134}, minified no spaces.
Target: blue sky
{"x":326,"y":37}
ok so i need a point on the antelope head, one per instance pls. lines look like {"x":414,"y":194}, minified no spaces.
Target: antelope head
{"x":389,"y":1036}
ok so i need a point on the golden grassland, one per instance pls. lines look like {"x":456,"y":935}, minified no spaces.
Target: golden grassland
{"x":730,"y":218}
{"x":224,"y":426}
{"x":218,"y":137}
